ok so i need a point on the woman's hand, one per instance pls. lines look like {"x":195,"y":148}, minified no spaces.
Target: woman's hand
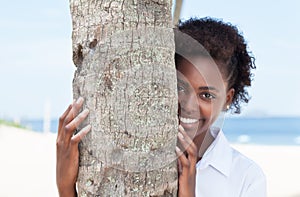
{"x":67,"y":155}
{"x":186,"y":165}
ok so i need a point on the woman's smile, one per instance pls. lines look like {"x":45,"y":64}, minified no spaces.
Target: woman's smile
{"x":188,"y":120}
{"x":191,"y":125}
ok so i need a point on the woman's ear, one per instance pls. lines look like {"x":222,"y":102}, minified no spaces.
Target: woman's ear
{"x":229,"y":97}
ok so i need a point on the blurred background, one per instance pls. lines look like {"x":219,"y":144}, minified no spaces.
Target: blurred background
{"x":36,"y":67}
{"x":36,"y":72}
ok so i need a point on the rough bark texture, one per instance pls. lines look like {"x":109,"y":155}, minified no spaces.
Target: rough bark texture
{"x":124,"y":54}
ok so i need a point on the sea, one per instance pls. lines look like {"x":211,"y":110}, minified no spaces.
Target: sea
{"x":246,"y":130}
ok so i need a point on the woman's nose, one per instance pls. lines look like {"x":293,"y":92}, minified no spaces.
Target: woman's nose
{"x":189,"y":103}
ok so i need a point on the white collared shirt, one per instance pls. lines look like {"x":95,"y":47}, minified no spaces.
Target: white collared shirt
{"x":225,"y":172}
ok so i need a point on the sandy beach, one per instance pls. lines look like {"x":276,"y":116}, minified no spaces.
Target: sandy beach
{"x":28,"y":164}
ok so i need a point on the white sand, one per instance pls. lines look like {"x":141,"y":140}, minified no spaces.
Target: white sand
{"x":27,"y":165}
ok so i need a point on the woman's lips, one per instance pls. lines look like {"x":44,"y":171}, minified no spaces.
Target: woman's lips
{"x":189,"y":124}
{"x":188,"y":120}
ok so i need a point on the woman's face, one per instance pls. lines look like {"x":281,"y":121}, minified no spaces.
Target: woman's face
{"x":202,"y":94}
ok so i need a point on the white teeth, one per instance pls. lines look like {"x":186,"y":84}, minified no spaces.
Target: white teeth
{"x":188,"y":120}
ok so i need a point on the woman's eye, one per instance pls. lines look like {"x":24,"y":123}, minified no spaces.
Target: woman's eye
{"x":180,"y":89}
{"x":207,"y":95}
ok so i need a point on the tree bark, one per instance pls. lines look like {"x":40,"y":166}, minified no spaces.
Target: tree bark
{"x":124,"y":54}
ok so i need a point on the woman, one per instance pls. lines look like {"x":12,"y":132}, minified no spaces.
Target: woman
{"x":214,"y":69}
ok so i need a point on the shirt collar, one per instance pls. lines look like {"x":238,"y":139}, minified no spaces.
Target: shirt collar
{"x":218,"y":155}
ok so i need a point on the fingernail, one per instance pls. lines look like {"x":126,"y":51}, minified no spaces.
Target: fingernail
{"x":85,"y":111}
{"x":88,"y":127}
{"x":177,"y":149}
{"x":180,"y":135}
{"x":79,"y":100}
{"x":180,"y":128}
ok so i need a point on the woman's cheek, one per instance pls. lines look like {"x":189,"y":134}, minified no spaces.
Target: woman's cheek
{"x":205,"y":109}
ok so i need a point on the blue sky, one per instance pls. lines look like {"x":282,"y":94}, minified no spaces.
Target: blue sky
{"x":36,"y":55}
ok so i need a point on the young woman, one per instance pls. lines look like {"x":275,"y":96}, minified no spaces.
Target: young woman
{"x":214,"y":69}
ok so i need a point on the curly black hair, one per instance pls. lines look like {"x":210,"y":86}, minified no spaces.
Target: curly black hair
{"x":227,"y":46}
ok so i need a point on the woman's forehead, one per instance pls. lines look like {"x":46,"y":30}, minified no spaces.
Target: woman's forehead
{"x":200,"y":70}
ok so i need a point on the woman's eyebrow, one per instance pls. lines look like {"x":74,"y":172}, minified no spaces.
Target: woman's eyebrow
{"x":183,"y":82}
{"x":208,"y":88}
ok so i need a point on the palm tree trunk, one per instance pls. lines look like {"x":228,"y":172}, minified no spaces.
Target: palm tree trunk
{"x":124,"y":54}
